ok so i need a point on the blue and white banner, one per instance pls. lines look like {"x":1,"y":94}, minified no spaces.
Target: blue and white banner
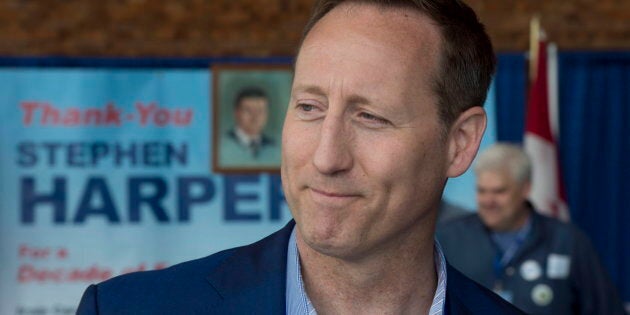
{"x":104,"y":172}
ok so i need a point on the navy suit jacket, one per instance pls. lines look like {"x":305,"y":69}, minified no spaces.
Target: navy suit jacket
{"x":243,"y":280}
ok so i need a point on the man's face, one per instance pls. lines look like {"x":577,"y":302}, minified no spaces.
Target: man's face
{"x":363,"y":157}
{"x":501,"y":199}
{"x":251,"y":115}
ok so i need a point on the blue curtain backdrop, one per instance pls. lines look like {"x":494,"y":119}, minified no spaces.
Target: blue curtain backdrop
{"x":594,"y":113}
{"x":511,"y":83}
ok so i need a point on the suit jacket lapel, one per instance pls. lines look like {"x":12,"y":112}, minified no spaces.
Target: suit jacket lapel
{"x":252,"y":279}
{"x":454,"y":305}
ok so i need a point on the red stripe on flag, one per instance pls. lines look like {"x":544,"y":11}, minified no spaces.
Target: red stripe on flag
{"x":537,"y":121}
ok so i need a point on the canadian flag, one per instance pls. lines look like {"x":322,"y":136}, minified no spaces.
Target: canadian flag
{"x":547,"y":193}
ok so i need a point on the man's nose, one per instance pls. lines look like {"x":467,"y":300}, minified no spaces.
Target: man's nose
{"x":483,"y":199}
{"x":334,"y":150}
{"x":489,"y":203}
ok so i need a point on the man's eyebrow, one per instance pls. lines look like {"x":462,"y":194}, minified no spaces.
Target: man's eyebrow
{"x":358,"y":99}
{"x":313,"y":89}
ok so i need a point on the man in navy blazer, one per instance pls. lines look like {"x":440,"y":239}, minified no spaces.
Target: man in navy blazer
{"x":243,"y":280}
{"x":386,"y":105}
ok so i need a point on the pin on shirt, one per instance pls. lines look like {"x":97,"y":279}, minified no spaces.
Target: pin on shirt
{"x":542,"y":294}
{"x":558,"y":266}
{"x":530,"y":270}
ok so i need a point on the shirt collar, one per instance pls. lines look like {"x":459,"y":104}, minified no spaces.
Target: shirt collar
{"x":298,"y":303}
{"x":244,"y":137}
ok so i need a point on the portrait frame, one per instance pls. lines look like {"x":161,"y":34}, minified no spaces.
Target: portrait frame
{"x":229,"y":153}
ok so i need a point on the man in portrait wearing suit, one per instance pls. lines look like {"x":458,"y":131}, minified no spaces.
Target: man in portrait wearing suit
{"x":246,"y":144}
{"x":386,"y":105}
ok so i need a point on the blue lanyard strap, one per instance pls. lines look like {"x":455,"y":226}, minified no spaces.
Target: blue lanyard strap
{"x":503,"y":258}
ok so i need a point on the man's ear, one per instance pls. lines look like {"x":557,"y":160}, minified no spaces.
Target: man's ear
{"x":464,"y":138}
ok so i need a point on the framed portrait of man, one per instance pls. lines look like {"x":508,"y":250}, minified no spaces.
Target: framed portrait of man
{"x":249,"y":103}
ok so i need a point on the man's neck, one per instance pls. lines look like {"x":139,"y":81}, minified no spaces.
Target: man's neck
{"x":402,"y":281}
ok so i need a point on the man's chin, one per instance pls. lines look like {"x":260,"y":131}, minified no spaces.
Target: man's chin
{"x":491,"y":222}
{"x":328,"y":243}
{"x":335,"y":250}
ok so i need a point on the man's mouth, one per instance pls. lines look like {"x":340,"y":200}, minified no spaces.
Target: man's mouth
{"x":331,"y":197}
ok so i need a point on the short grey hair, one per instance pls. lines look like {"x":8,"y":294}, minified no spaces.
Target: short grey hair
{"x":505,"y":156}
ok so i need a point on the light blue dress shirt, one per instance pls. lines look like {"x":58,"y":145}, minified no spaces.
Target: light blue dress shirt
{"x":298,"y":302}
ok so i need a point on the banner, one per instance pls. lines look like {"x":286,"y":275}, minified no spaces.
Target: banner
{"x":105,"y":172}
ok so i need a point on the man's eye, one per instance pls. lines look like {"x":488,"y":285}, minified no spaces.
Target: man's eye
{"x":306,"y":107}
{"x":373,"y":119}
{"x":306,"y":111}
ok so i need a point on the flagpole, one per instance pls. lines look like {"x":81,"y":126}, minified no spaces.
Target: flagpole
{"x":534,"y":40}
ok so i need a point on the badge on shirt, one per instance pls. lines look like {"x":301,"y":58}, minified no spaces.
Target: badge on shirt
{"x":542,"y":294}
{"x":558,"y":266}
{"x":530,"y":270}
